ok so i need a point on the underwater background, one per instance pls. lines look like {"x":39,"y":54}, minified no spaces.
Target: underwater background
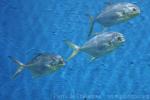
{"x":31,"y":26}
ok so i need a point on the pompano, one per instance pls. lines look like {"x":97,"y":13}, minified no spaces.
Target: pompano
{"x":114,"y":14}
{"x":41,"y":64}
{"x":98,"y":45}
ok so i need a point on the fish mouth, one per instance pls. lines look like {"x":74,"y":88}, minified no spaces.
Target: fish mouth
{"x":138,"y":10}
{"x":122,"y":39}
{"x":134,"y":8}
{"x":136,"y":13}
{"x":63,"y":64}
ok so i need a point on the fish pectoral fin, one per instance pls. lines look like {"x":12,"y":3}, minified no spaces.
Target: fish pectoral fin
{"x":120,"y":14}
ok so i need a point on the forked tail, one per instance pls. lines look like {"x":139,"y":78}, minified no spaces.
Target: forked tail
{"x":75,"y":48}
{"x":20,"y":67}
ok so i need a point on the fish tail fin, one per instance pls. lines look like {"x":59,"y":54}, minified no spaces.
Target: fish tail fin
{"x":92,"y":21}
{"x":20,"y":66}
{"x":75,"y":48}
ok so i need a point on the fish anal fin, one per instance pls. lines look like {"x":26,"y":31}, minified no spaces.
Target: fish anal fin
{"x":92,"y":58}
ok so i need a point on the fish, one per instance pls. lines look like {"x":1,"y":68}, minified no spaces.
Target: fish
{"x":98,"y":45}
{"x":41,"y":64}
{"x":114,"y":14}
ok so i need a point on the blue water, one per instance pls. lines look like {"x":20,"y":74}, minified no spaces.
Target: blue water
{"x":30,"y":26}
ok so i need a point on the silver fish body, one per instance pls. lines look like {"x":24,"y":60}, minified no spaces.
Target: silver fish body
{"x":40,"y":65}
{"x":114,"y":14}
{"x":117,"y":13}
{"x":45,"y":63}
{"x":99,"y":45}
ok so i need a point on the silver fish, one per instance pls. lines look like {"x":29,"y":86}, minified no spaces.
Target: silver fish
{"x":41,"y":64}
{"x":115,"y":14}
{"x":98,"y":45}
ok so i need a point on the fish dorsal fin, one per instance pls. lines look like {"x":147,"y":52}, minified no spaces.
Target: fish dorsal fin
{"x":98,"y":33}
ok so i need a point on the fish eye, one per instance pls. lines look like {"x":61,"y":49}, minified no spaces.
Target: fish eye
{"x":119,"y":38}
{"x":134,"y":9}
